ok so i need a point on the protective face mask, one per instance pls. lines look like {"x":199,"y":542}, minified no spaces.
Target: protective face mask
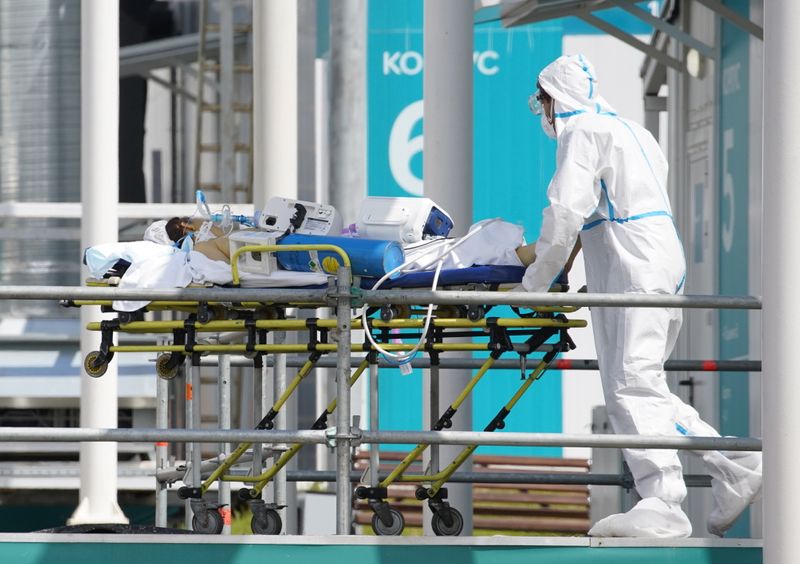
{"x":548,"y":128}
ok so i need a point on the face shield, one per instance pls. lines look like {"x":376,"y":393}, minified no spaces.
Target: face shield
{"x":535,"y":102}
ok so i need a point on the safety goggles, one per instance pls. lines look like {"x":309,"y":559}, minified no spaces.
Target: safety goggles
{"x":535,"y":102}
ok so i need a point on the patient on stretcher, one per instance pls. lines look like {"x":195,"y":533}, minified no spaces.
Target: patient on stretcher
{"x":208,"y":238}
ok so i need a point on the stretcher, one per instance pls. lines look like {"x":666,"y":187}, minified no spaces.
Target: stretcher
{"x":392,"y":327}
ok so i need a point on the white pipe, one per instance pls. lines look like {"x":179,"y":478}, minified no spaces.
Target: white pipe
{"x":99,"y":193}
{"x":447,"y":166}
{"x":781,"y":418}
{"x":275,"y":95}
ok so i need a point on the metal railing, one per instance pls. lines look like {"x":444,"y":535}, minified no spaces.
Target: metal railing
{"x":343,"y":436}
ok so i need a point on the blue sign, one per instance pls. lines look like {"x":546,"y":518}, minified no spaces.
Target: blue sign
{"x":734,"y":174}
{"x":513,"y":163}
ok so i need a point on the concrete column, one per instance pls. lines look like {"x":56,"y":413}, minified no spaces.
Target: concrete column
{"x":348,"y":113}
{"x":99,"y":224}
{"x":283,"y":100}
{"x":447,"y":166}
{"x":781,"y":418}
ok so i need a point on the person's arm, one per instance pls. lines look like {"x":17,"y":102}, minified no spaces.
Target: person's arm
{"x":575,"y":250}
{"x":574,"y":194}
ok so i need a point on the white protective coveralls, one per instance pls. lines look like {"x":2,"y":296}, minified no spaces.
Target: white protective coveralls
{"x":610,"y":188}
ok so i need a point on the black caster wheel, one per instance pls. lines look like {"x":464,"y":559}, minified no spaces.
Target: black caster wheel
{"x":387,"y":313}
{"x":246,"y":494}
{"x":393,"y":530}
{"x":475,"y":313}
{"x":208,"y":522}
{"x":95,"y":364}
{"x":268,"y":523}
{"x":163,"y":368}
{"x":442,"y":529}
{"x":186,"y":492}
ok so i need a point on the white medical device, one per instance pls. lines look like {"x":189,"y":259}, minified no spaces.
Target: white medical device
{"x":284,"y":215}
{"x":408,"y":220}
{"x":256,"y":262}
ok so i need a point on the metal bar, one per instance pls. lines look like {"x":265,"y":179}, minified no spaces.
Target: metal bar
{"x":187,"y":294}
{"x":547,"y":478}
{"x":170,"y":86}
{"x":75,"y":210}
{"x":666,"y":27}
{"x":224,"y":385}
{"x":162,"y":422}
{"x":526,"y":299}
{"x":645,"y":48}
{"x":282,"y":387}
{"x":189,"y":419}
{"x":260,"y":389}
{"x":459,"y":297}
{"x":734,"y":17}
{"x":374,"y":423}
{"x":343,"y":464}
{"x":72,"y":434}
{"x":508,"y":364}
{"x":781,"y":153}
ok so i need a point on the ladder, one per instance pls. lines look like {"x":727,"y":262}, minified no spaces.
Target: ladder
{"x":234,"y":116}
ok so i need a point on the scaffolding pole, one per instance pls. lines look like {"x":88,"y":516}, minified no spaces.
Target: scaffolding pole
{"x":99,"y":194}
{"x":781,"y":423}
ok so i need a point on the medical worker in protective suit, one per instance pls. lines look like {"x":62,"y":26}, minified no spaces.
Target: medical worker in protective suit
{"x":608,"y":194}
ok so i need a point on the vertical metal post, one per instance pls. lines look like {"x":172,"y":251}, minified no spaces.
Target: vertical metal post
{"x":374,"y":421}
{"x":259,"y":409}
{"x":343,"y":490}
{"x":224,"y":384}
{"x":162,"y":422}
{"x":190,"y":448}
{"x":227,"y":172}
{"x":99,"y":224}
{"x":280,"y":383}
{"x":447,"y":160}
{"x":781,"y":418}
{"x":431,"y":456}
{"x":194,"y":398}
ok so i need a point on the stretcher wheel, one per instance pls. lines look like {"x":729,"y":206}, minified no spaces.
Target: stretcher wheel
{"x":393,"y":530}
{"x":163,"y":368}
{"x":267,"y":523}
{"x":207,"y":522}
{"x":475,"y":313}
{"x":442,"y":529}
{"x":95,"y":364}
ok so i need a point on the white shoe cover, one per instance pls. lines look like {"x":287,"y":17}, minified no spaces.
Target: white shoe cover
{"x":650,"y":518}
{"x":735,"y":484}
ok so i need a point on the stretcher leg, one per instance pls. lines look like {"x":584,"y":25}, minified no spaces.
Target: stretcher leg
{"x":385,"y":520}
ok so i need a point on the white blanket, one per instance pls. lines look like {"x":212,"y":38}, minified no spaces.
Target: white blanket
{"x":492,"y":241}
{"x":156,"y":266}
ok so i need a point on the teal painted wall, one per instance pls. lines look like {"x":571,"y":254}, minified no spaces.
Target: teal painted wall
{"x":135,"y":553}
{"x":513,"y":163}
{"x":734,"y":236}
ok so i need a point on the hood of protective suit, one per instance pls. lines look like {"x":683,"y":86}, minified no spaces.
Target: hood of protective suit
{"x":572,"y":83}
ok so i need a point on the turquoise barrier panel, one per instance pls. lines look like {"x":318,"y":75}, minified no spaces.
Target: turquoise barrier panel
{"x":513,"y":162}
{"x":410,"y":551}
{"x":734,"y":174}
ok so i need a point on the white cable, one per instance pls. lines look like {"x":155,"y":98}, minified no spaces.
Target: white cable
{"x":404,"y":356}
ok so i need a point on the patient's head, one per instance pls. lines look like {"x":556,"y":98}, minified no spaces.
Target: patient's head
{"x":178,"y":227}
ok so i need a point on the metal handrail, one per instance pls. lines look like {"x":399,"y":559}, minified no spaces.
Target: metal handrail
{"x":72,"y":434}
